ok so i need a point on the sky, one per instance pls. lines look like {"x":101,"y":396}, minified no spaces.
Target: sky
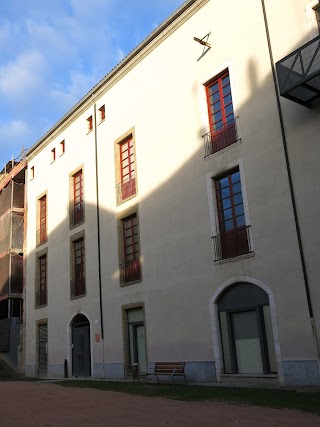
{"x":53,"y":52}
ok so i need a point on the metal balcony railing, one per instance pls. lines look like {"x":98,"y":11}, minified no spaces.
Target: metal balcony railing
{"x":232,"y":243}
{"x":130,"y":271}
{"x":220,"y":138}
{"x":299,"y":74}
{"x":41,"y":297}
{"x":126,"y":189}
{"x":77,"y":214}
{"x":41,"y":236}
{"x":78,"y":287}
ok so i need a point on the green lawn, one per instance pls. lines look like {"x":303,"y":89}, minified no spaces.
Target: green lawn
{"x":304,"y":401}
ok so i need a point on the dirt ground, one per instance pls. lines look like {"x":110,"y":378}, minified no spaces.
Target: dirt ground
{"x":39,"y":404}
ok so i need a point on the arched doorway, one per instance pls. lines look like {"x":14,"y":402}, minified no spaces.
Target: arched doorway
{"x":81,"y":355}
{"x":246,"y":330}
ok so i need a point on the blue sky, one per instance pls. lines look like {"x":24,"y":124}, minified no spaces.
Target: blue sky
{"x":53,"y":52}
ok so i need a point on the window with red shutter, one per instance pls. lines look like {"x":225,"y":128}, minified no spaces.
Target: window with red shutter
{"x":221,"y":115}
{"x":234,"y":237}
{"x":42,"y":232}
{"x":131,"y":269}
{"x":78,"y":202}
{"x":78,"y":283}
{"x":127,"y":168}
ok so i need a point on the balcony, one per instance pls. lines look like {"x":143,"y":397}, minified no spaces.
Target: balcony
{"x":77,"y":215}
{"x":78,"y":287}
{"x":41,"y":236}
{"x":130,"y":271}
{"x":232,"y":243}
{"x":126,"y":189}
{"x":220,"y":138}
{"x":299,"y":74}
{"x":41,"y":297}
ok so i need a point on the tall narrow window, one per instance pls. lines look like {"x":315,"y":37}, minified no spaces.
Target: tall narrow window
{"x":42,"y":232}
{"x":234,"y":236}
{"x":78,"y":287}
{"x":221,"y":115}
{"x":77,"y":215}
{"x":41,"y":290}
{"x":130,"y":269}
{"x":127,"y":186}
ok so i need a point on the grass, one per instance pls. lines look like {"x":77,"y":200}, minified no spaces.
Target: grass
{"x":281,"y":399}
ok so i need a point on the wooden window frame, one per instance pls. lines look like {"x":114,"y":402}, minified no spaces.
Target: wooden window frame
{"x":125,"y":189}
{"x":42,"y":235}
{"x":225,"y":134}
{"x":130,"y":272}
{"x":77,"y":204}
{"x":41,"y":296}
{"x":234,"y":241}
{"x":78,"y":284}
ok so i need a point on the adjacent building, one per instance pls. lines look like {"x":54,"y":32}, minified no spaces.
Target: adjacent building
{"x":173,"y":212}
{"x":12,"y":227}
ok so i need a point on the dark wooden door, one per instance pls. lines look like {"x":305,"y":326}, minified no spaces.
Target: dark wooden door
{"x":81,"y":359}
{"x":43,"y":349}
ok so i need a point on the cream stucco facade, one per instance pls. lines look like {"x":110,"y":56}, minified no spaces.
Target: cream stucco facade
{"x":157,"y":95}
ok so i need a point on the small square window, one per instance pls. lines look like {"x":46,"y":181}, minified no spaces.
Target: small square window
{"x":89,"y":124}
{"x":62,"y":147}
{"x":102,"y":111}
{"x":53,"y":155}
{"x":32,"y":172}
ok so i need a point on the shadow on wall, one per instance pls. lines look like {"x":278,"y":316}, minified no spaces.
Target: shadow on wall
{"x":169,"y":229}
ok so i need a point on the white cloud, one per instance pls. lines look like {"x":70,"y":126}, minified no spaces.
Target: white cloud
{"x":20,"y":77}
{"x":13,"y":136}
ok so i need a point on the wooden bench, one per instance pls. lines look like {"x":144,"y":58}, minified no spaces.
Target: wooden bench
{"x":173,"y":369}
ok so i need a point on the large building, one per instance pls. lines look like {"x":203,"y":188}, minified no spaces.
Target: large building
{"x":173,"y":212}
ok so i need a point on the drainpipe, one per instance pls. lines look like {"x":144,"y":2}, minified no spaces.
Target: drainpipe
{"x":293,"y":199}
{"x":98,"y":231}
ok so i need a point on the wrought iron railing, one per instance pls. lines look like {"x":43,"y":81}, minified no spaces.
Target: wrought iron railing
{"x":41,"y":297}
{"x":220,"y":138}
{"x":299,"y":74}
{"x":77,"y":214}
{"x":130,"y":271}
{"x":41,"y":236}
{"x":78,"y":287}
{"x":232,"y":243}
{"x":126,"y":189}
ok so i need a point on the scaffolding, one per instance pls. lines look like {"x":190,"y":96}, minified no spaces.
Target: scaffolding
{"x":12,"y":191}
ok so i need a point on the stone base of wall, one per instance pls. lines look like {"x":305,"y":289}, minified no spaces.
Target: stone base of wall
{"x":30,"y":370}
{"x":301,"y":372}
{"x":114,"y":371}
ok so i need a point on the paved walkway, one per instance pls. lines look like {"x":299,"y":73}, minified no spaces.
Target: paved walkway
{"x":39,"y":404}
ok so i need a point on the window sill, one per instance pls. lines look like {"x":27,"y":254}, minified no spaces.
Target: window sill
{"x":127,"y":199}
{"x":72,"y":297}
{"x":71,"y":227}
{"x":89,"y":131}
{"x":234,"y":144}
{"x":134,"y":282}
{"x":236,"y":258}
{"x":40,"y":306}
{"x":101,"y":121}
{"x":41,"y":243}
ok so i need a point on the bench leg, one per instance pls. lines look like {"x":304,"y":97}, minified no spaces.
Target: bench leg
{"x":185,"y":379}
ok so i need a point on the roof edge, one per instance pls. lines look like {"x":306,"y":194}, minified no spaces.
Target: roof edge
{"x":175,"y":15}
